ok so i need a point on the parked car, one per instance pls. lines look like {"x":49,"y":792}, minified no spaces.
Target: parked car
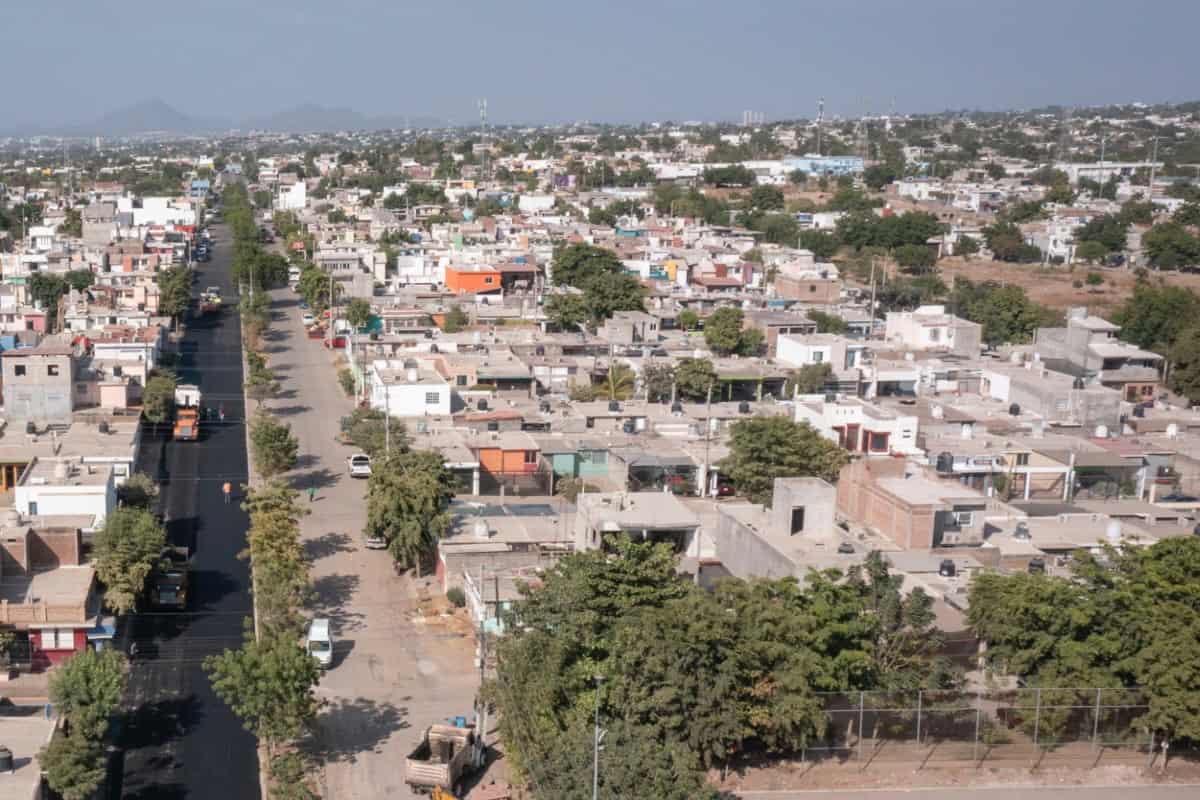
{"x":319,"y":642}
{"x":846,"y":549}
{"x":374,"y":542}
{"x":307,"y":319}
{"x":359,"y":465}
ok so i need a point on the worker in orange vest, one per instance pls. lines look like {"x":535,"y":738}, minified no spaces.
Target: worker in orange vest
{"x":228,"y":490}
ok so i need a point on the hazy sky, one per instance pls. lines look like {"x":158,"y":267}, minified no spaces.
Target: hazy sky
{"x":608,"y":60}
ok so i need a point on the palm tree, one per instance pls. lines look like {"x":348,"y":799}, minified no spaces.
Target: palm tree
{"x":620,"y":382}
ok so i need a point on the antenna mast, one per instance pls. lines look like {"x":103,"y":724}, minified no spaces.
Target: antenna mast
{"x":820,"y":119}
{"x":483,"y":139}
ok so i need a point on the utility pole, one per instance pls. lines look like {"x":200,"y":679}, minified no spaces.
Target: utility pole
{"x":820,"y":118}
{"x":871,"y":310}
{"x":596,"y":744}
{"x":331,"y":308}
{"x":387,"y":418}
{"x":1153,"y":164}
{"x":707,"y":439}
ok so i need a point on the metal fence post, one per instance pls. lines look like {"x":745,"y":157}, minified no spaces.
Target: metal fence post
{"x":920,"y":698}
{"x":975,"y":745}
{"x":861,"y":700}
{"x":1037,"y":715}
{"x":1096,"y":722}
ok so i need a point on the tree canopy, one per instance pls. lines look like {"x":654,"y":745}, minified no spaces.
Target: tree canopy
{"x":127,"y":549}
{"x":762,"y":449}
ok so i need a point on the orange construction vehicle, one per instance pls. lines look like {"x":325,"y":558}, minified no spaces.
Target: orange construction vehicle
{"x":187,"y":413}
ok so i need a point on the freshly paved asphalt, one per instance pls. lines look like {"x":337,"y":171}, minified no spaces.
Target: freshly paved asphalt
{"x":1133,"y":792}
{"x":178,"y":738}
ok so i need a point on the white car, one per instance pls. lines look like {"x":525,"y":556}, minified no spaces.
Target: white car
{"x":307,"y":319}
{"x":359,"y":465}
{"x":374,"y":542}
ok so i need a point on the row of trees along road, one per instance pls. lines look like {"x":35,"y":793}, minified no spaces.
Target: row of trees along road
{"x":269,"y":681}
{"x":87,"y":689}
{"x":684,"y":679}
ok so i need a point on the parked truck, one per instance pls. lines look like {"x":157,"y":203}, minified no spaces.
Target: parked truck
{"x":187,"y":412}
{"x":169,"y":581}
{"x":439,"y":761}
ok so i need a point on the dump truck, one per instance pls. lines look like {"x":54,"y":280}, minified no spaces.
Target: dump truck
{"x":169,"y":581}
{"x":442,"y":757}
{"x":187,"y":412}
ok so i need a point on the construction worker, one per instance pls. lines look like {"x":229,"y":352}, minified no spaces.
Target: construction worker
{"x":228,"y":490}
{"x":312,"y":492}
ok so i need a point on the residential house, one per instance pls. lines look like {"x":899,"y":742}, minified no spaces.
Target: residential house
{"x":39,"y":384}
{"x":860,"y":426}
{"x":643,"y":516}
{"x":931,"y":328}
{"x":1088,"y":347}
{"x":408,"y":388}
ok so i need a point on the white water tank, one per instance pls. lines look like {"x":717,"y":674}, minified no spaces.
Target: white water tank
{"x":1113,"y":531}
{"x":1101,"y":431}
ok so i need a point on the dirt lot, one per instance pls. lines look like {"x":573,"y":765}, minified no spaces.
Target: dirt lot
{"x":1052,"y":286}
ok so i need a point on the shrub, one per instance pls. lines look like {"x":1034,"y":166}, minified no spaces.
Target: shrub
{"x":456,"y":597}
{"x":1094,"y":279}
{"x":346,"y":379}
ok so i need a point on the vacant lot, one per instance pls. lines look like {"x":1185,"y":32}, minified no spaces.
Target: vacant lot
{"x":1054,"y":286}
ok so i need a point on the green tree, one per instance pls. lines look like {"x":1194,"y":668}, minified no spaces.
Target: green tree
{"x":762,"y":449}
{"x":688,"y":320}
{"x":607,"y":294}
{"x":269,"y":685}
{"x":1106,"y":230}
{"x":368,"y":432}
{"x":358,"y":313}
{"x":79,"y":279}
{"x":723,"y":330}
{"x":158,"y":398}
{"x":1005,"y":312}
{"x":408,"y":496}
{"x":138,"y":491}
{"x":823,"y":244}
{"x":916,"y":258}
{"x":732,"y":175}
{"x":274,"y":447}
{"x":966,"y":246}
{"x":809,"y":379}
{"x":74,"y":766}
{"x":995,"y":171}
{"x":798,"y":177}
{"x":1090,"y":251}
{"x":174,"y":291}
{"x":72,"y":224}
{"x":87,"y":689}
{"x":578,"y":264}
{"x":1169,"y":245}
{"x":1007,"y":243}
{"x":766,"y":198}
{"x":1187,"y":214}
{"x":1155,"y":314}
{"x":619,"y":382}
{"x":126,"y":551}
{"x":455,"y":320}
{"x":828,"y":323}
{"x":658,"y":378}
{"x":1184,"y":356}
{"x":879,"y":175}
{"x":289,"y":778}
{"x":694,"y":377}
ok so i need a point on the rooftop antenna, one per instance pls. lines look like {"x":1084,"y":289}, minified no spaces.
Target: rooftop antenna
{"x":820,"y":119}
{"x":483,"y":164}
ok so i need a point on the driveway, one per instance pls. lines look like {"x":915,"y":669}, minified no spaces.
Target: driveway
{"x":393,"y":673}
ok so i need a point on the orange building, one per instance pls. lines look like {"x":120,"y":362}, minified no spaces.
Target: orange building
{"x":472,"y":279}
{"x":507,"y":453}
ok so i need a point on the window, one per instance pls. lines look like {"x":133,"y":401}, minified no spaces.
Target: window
{"x":58,"y":639}
{"x":797,"y":520}
{"x":19,"y":369}
{"x":460,"y":380}
{"x":812,"y":287}
{"x":432,"y":398}
{"x":963,"y":519}
{"x":818,"y":357}
{"x":935,"y":335}
{"x":493,"y":426}
{"x":488,"y":280}
{"x":531,"y":456}
{"x":1022,"y":459}
{"x":33,"y":508}
{"x":52,"y":370}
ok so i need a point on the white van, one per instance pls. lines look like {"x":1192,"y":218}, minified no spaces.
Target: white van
{"x":319,"y":642}
{"x":293,"y":275}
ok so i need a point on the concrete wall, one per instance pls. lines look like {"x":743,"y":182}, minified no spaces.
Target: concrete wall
{"x":37,"y":395}
{"x":817,"y":497}
{"x":745,"y":553}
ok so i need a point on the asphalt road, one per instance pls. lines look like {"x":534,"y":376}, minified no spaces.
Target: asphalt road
{"x":178,"y":738}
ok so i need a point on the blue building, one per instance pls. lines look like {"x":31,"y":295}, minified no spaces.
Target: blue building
{"x":825,"y":165}
{"x":200,"y":187}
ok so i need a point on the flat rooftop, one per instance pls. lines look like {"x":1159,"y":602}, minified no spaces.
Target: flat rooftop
{"x":61,"y":586}
{"x":63,"y":472}
{"x":24,"y":730}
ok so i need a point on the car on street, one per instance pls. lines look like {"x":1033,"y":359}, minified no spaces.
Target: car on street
{"x":359,"y":465}
{"x":372,"y":542}
{"x":307,"y":319}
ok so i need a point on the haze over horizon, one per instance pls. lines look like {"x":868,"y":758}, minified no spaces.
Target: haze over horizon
{"x":537,"y":61}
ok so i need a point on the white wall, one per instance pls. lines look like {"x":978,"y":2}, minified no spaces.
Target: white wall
{"x":94,"y":500}
{"x":408,"y":399}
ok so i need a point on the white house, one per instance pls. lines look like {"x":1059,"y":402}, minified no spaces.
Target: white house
{"x":291,"y":197}
{"x":931,"y":328}
{"x":408,"y":388}
{"x":859,"y":426}
{"x":67,"y":487}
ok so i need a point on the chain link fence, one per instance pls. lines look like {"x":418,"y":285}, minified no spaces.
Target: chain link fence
{"x":1020,"y":727}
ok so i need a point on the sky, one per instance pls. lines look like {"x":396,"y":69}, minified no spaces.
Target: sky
{"x":70,"y":61}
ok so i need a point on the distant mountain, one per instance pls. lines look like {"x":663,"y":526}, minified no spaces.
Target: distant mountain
{"x":158,"y":116}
